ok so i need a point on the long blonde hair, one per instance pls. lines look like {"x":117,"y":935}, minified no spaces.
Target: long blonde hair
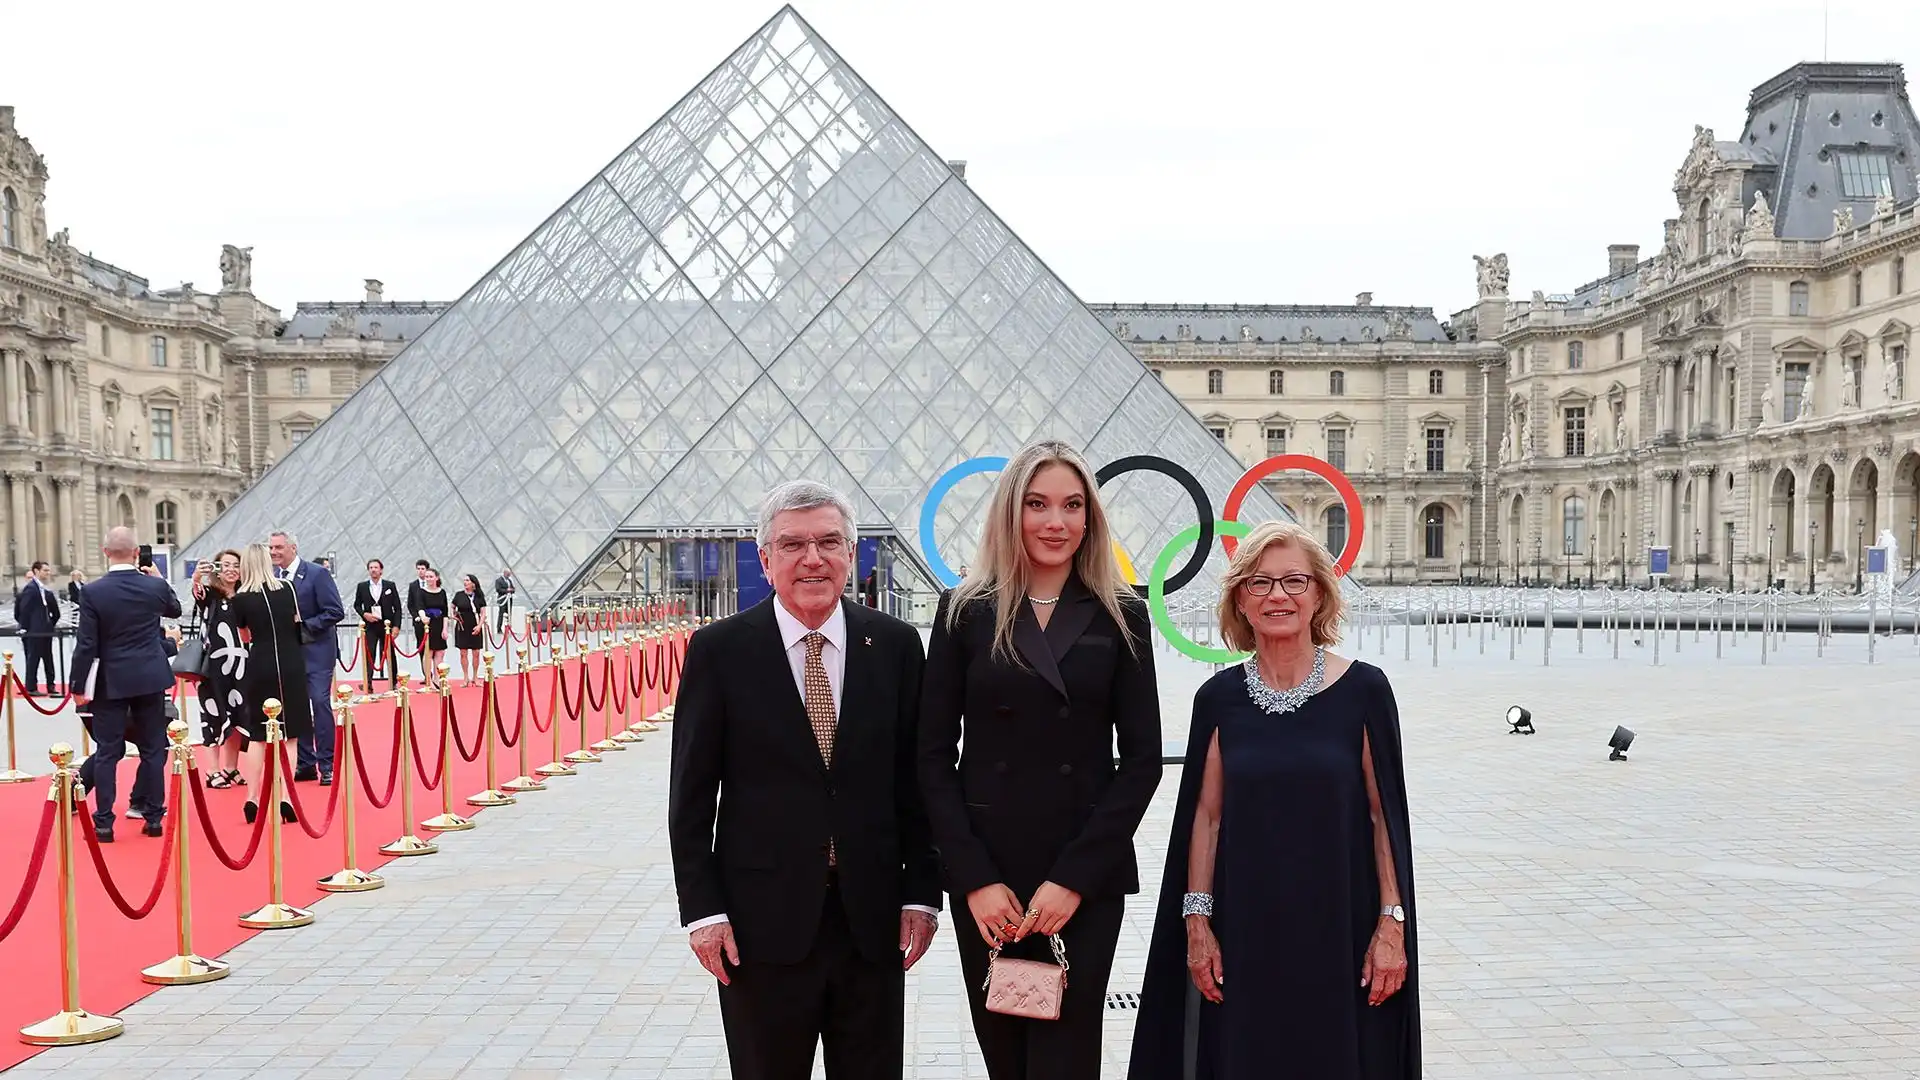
{"x":1000,"y":571}
{"x":256,"y":570}
{"x":1330,"y":606}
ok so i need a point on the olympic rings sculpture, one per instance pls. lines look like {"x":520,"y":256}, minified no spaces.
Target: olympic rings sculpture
{"x":1159,"y":585}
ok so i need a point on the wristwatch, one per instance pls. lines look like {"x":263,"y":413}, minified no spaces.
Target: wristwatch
{"x":1395,"y":912}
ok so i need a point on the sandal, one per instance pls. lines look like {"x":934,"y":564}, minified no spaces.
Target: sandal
{"x":220,"y":780}
{"x":234,"y":778}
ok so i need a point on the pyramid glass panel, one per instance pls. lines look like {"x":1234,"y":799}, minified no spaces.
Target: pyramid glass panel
{"x":778,"y":279}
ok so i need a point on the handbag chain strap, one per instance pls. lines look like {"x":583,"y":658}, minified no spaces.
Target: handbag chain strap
{"x":1059,"y":957}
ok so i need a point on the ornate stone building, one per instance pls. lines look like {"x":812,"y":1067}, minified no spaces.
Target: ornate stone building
{"x":1389,"y":395}
{"x":153,"y":408}
{"x":1745,"y":397}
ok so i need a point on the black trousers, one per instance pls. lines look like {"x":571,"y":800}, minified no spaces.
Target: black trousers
{"x":116,"y":722}
{"x":774,"y":1014}
{"x":375,"y":637}
{"x":39,"y":653}
{"x":1065,"y":1049}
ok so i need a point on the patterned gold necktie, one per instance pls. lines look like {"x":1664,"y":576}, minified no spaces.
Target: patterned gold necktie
{"x":820,"y":711}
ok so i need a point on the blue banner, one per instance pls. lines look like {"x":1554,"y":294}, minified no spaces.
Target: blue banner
{"x":1657,"y":560}
{"x":1876,"y":560}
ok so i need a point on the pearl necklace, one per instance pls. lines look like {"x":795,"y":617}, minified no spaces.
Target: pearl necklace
{"x":1292,"y":698}
{"x":1043,"y":603}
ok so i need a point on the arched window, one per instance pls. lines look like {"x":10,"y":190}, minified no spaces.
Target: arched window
{"x":1336,"y":382}
{"x":9,"y":219}
{"x":1797,"y":298}
{"x":1336,"y":529}
{"x":1701,"y":224}
{"x":1434,"y":531}
{"x":1436,"y":381}
{"x":1857,"y":288}
{"x":1276,"y":382}
{"x":106,"y":340}
{"x":1897,"y":276}
{"x":1573,"y":525}
{"x":157,"y":350}
{"x":166,"y":523}
{"x":300,"y":382}
{"x":1576,"y":355}
{"x":219,"y":506}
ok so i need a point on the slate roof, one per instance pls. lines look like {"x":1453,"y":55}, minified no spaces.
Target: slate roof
{"x":1799,"y":121}
{"x":381,"y":321}
{"x":1265,"y":322}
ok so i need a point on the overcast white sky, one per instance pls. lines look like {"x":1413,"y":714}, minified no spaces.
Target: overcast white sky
{"x":1204,"y":150}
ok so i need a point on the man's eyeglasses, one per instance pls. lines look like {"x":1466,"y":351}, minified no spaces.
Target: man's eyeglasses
{"x":829,"y":546}
{"x":1292,"y":584}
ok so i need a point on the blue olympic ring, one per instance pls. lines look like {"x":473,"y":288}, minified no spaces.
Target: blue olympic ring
{"x":930,"y":509}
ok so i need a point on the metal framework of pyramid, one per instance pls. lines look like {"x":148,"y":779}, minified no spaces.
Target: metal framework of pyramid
{"x":777,"y":280}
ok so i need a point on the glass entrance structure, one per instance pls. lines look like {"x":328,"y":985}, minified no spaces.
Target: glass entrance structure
{"x":778,"y":279}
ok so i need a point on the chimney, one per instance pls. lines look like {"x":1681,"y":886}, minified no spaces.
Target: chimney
{"x":1365,"y":299}
{"x":959,"y":169}
{"x":373,"y":290}
{"x":1622,"y":258}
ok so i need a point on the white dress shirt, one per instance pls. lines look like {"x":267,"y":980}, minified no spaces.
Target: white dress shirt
{"x":833,"y":656}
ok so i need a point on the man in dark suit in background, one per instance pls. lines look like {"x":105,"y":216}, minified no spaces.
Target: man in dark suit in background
{"x":378,"y":602}
{"x":120,"y":670}
{"x":320,"y":612}
{"x":37,"y":612}
{"x":814,"y":886}
{"x":504,"y":587}
{"x":414,"y":596}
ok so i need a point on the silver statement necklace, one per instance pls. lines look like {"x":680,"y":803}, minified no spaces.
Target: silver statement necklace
{"x":1292,"y":698}
{"x":1043,"y":603}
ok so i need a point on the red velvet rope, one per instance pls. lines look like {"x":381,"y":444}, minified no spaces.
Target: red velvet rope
{"x":659,"y":665}
{"x":579,"y":700}
{"x":35,"y":863}
{"x":533,"y":707}
{"x":213,"y":835}
{"x":419,"y":758}
{"x":299,"y":811}
{"x":519,"y":716}
{"x":586,"y":685}
{"x":452,"y":719}
{"x":401,"y":650}
{"x":393,"y":769}
{"x":20,"y":691}
{"x":353,"y":658}
{"x":166,"y":862}
{"x":616,"y":687}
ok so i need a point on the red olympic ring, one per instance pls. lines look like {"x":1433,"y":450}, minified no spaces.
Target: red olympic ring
{"x":1349,"y":497}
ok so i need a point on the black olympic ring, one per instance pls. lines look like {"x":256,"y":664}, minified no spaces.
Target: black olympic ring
{"x":1201,"y":504}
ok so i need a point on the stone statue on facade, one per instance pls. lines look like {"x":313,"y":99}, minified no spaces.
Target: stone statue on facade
{"x":1892,"y":381}
{"x":1767,"y":415}
{"x":232,"y":460}
{"x":1506,"y":446}
{"x":133,"y":440}
{"x":343,"y":325}
{"x":1526,"y":433}
{"x":1849,"y":393}
{"x":1618,"y":437}
{"x":60,"y":257}
{"x":236,"y":268}
{"x":1883,"y":206}
{"x":107,"y":440}
{"x":1715,"y":240}
{"x":1490,"y":274}
{"x":1759,"y":219}
{"x":1806,"y":403}
{"x":1370,"y":462}
{"x":1842,"y":219}
{"x":1413,"y":456}
{"x":1399,"y":327}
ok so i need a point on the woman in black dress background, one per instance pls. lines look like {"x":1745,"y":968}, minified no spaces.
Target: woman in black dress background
{"x":433,"y":604}
{"x":1043,"y":654}
{"x":221,"y":700}
{"x":1290,"y":865}
{"x":469,"y":614}
{"x":269,"y":621}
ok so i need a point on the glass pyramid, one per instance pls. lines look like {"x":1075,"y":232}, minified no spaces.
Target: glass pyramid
{"x":777,"y":280}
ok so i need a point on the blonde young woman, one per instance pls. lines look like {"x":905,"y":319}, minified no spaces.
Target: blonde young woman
{"x":269,"y":623}
{"x":1290,"y":866}
{"x":1038,"y":659}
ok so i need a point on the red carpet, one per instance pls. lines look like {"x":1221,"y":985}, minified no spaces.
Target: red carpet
{"x":113,"y":949}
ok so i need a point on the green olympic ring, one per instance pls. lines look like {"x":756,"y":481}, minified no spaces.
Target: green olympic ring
{"x":1157,"y":595}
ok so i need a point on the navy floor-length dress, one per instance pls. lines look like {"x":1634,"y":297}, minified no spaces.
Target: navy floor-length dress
{"x":1296,"y":896}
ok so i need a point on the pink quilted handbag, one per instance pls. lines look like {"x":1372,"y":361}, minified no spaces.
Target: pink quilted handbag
{"x":1029,"y":988}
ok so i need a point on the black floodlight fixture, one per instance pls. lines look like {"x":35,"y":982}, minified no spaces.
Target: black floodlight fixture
{"x":1622,"y":738}
{"x":1521,"y":719}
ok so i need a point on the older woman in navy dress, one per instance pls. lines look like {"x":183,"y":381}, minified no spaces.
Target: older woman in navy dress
{"x":1290,"y":865}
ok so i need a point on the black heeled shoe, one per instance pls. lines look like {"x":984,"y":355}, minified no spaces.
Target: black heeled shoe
{"x":287,"y":816}
{"x":251,"y":809}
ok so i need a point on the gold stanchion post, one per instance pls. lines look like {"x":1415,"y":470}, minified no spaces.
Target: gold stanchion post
{"x":645,"y":724}
{"x":493,"y":796}
{"x":13,"y":775}
{"x":586,"y":754}
{"x":526,"y":781}
{"x":350,"y":878}
{"x":446,"y":820}
{"x":408,"y":844}
{"x":72,"y":1025}
{"x":607,"y":742}
{"x":276,"y":914}
{"x":558,"y":766}
{"x":629,"y":731}
{"x":185,"y":968}
{"x":426,"y":654}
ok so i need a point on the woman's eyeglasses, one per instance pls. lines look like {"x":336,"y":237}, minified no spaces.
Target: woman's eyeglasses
{"x":1291,"y":584}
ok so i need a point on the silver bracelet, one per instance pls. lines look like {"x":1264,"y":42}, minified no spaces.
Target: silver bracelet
{"x":1196,"y":903}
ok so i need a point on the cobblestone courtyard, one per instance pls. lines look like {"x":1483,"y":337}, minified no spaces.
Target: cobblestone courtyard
{"x":1737,"y":900}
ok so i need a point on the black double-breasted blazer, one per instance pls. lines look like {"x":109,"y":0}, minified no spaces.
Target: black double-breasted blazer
{"x":1032,"y":793}
{"x":741,"y":736}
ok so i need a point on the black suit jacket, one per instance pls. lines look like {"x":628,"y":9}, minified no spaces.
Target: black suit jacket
{"x":741,"y":735}
{"x":1035,"y":795}
{"x":388,"y":604}
{"x":118,"y":650}
{"x":36,"y":609}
